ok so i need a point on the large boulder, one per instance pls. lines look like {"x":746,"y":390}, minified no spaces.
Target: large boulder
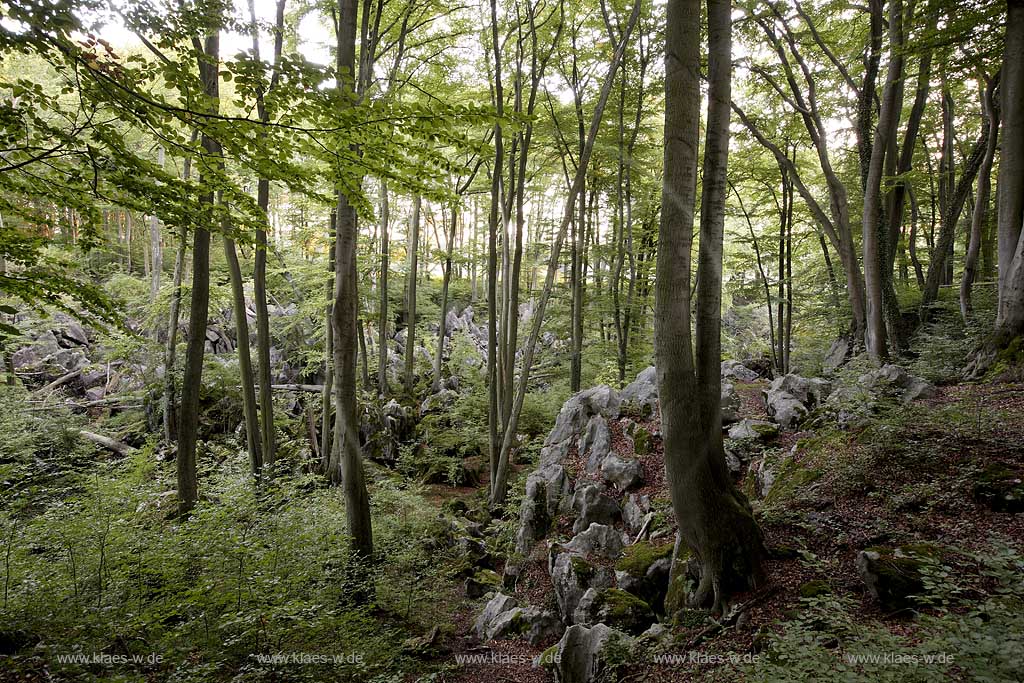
{"x":495,"y":607}
{"x":894,"y":380}
{"x":791,"y":397}
{"x":730,"y":404}
{"x":584,"y":654}
{"x":547,"y":489}
{"x":894,"y":577}
{"x":756,"y":430}
{"x":616,"y":608}
{"x":535,"y":624}
{"x":737,"y":371}
{"x":595,"y":442}
{"x":623,"y":473}
{"x":577,"y":411}
{"x":598,"y":540}
{"x":836,"y":356}
{"x":571,"y":576}
{"x":641,"y":395}
{"x":635,"y":511}
{"x":593,"y":506}
{"x":643,"y":570}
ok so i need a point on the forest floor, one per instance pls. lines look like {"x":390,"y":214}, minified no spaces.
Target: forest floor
{"x":908,"y":477}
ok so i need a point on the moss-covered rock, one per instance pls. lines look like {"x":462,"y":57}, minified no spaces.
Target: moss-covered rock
{"x":1000,"y":489}
{"x":482,"y":582}
{"x":616,"y":608}
{"x":815,"y":589}
{"x":895,"y":577}
{"x":643,"y":442}
{"x":637,"y":558}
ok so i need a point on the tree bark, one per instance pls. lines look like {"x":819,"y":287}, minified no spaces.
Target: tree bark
{"x":385,"y":266}
{"x":1010,"y":319}
{"x":874,"y":242}
{"x":980,"y":214}
{"x":156,"y":263}
{"x":714,"y":519}
{"x":346,"y":465}
{"x":410,"y":298}
{"x":188,"y":431}
{"x":252,"y":425}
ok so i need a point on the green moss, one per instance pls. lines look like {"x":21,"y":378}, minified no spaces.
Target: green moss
{"x":638,"y":558}
{"x":790,"y":476}
{"x":690,"y":618}
{"x":642,"y":441}
{"x":815,"y":588}
{"x":549,"y":657}
{"x":581,"y":567}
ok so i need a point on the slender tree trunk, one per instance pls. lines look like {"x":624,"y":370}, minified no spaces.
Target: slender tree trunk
{"x":385,"y":265}
{"x":157,"y":258}
{"x":170,"y":421}
{"x":327,"y":398}
{"x":492,"y":259}
{"x":442,"y":332}
{"x":188,"y":430}
{"x":346,"y":464}
{"x":715,"y":521}
{"x":875,"y":252}
{"x":978,"y":219}
{"x":252,"y":428}
{"x":1010,"y":319}
{"x":410,"y":298}
{"x":500,"y":487}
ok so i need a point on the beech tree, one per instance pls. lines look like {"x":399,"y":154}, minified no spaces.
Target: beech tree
{"x":714,"y":518}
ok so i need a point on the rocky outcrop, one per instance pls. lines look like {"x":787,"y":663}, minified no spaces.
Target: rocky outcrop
{"x":894,"y":576}
{"x":641,"y":395}
{"x":623,"y":473}
{"x":584,"y":654}
{"x":616,"y":608}
{"x":791,"y":397}
{"x":502,"y":618}
{"x":737,"y":371}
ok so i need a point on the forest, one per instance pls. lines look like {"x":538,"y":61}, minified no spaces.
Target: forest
{"x":585,"y":341}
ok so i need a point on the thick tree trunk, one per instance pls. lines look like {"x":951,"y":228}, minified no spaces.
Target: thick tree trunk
{"x":714,"y":519}
{"x":1010,"y":320}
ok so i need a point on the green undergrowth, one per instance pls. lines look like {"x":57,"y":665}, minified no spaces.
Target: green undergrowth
{"x":104,"y":570}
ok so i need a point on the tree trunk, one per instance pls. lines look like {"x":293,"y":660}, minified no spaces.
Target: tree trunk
{"x":442,"y":332}
{"x":385,"y":265}
{"x":326,"y":400}
{"x":346,"y":465}
{"x":980,"y":214}
{"x":500,"y":485}
{"x":252,"y":427}
{"x":169,"y":402}
{"x":156,"y":263}
{"x":410,"y":299}
{"x":875,"y":251}
{"x":714,"y":519}
{"x":1010,"y":320}
{"x":188,"y":431}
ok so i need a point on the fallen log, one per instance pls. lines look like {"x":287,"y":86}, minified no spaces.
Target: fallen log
{"x":64,"y":379}
{"x":108,"y":443}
